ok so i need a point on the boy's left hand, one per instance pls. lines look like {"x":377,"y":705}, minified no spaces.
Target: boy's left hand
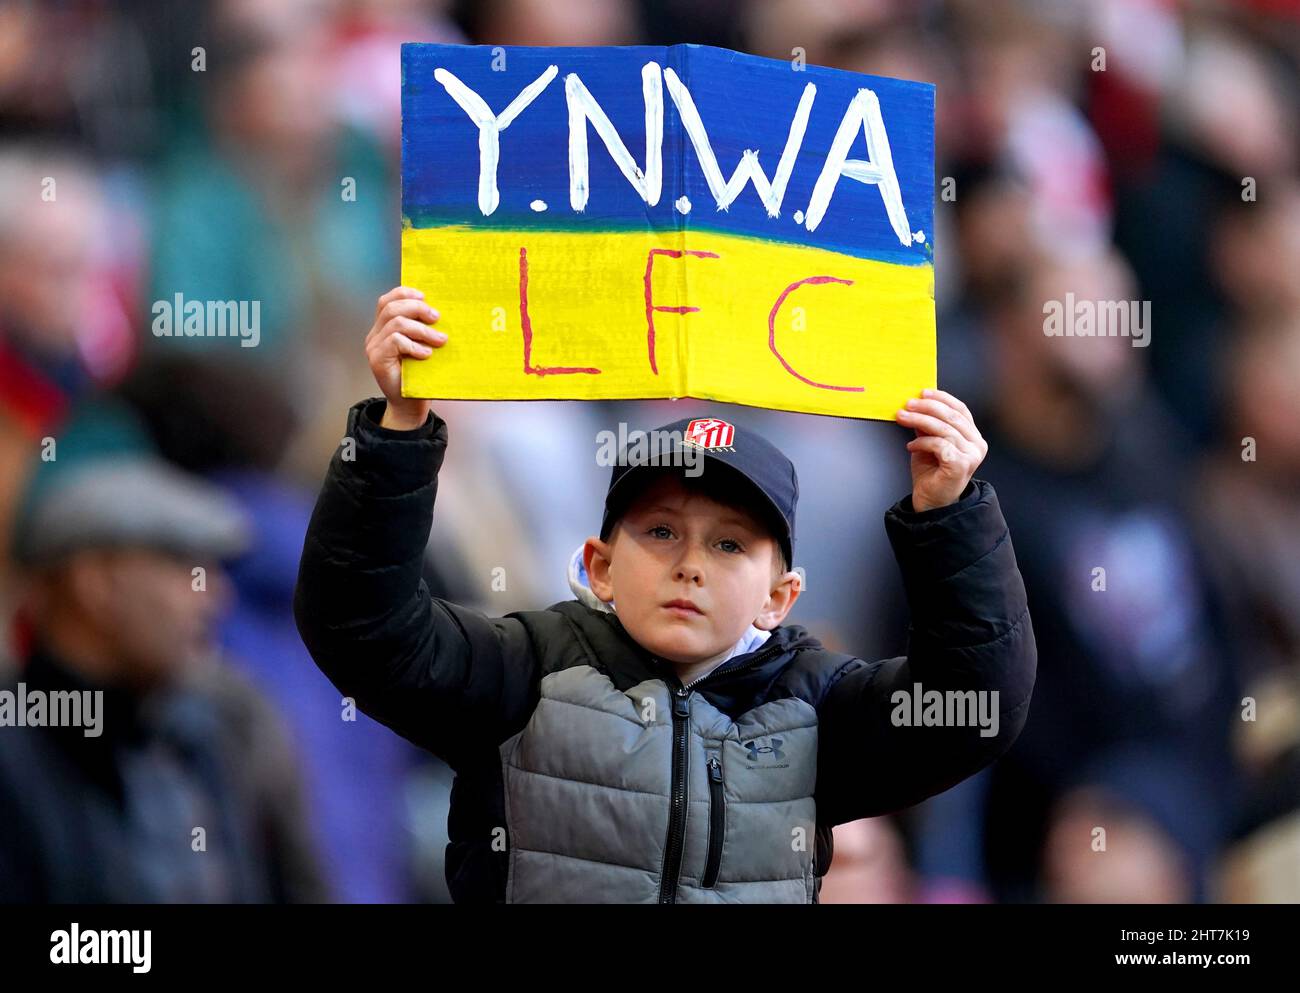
{"x":946,"y":451}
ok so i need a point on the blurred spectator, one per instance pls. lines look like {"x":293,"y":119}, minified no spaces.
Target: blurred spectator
{"x":181,"y":787}
{"x":356,"y":772}
{"x":77,"y":71}
{"x":1251,"y":503}
{"x":366,"y":59}
{"x":1255,"y":254}
{"x":1132,"y":646}
{"x":274,"y":202}
{"x":1121,"y":836}
{"x":870,"y":864}
{"x":1231,"y":126}
{"x":1251,"y":490}
{"x":995,"y":246}
{"x":64,"y":326}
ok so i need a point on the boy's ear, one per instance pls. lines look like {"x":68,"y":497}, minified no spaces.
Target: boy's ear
{"x":597,"y":556}
{"x":784,"y":593}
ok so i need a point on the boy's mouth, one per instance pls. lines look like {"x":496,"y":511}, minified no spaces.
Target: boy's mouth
{"x":683,"y":607}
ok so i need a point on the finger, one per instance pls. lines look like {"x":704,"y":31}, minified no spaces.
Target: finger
{"x":955,"y":401}
{"x":417,"y":309}
{"x":414,"y":309}
{"x":392,"y":306}
{"x":405,"y":346}
{"x":949,"y":413}
{"x":943,"y":450}
{"x":415,"y":331}
{"x":398,"y":293}
{"x":948,"y":398}
{"x":938,"y":408}
{"x":929,"y":425}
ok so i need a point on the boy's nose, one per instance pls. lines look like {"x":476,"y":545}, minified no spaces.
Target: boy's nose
{"x":689,"y":567}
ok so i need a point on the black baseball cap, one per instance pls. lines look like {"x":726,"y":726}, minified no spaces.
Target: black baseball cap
{"x":744,"y":457}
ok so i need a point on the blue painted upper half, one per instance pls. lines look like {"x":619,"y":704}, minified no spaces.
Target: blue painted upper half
{"x":745,"y":102}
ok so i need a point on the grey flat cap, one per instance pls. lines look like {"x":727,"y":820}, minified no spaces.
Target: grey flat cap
{"x":132,"y":502}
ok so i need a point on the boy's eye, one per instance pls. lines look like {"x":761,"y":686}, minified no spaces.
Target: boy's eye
{"x":729,"y":545}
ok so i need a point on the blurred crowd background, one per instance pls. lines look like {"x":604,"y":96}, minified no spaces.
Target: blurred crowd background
{"x":1167,"y":709}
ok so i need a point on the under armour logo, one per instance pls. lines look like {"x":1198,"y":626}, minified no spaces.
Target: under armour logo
{"x":755,"y":750}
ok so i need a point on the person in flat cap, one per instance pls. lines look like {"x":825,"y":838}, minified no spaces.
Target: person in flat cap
{"x":134,"y":766}
{"x":116,"y":550}
{"x":665,"y":736}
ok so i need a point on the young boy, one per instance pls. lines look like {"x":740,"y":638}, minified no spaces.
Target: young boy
{"x":664,"y":737}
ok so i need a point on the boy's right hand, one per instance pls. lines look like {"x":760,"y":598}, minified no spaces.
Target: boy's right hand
{"x":401,"y":329}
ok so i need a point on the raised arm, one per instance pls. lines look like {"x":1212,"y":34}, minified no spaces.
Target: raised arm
{"x":444,"y":676}
{"x":971,"y":649}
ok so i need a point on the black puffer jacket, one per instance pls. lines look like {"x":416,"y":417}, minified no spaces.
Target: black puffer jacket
{"x":472,"y":688}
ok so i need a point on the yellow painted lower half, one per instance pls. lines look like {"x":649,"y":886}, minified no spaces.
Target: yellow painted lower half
{"x":551,"y":315}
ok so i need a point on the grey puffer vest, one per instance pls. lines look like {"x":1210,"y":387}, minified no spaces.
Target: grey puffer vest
{"x":651,"y":793}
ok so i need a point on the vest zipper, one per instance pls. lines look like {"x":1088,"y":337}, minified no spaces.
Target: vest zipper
{"x":717,"y":823}
{"x":677,"y":813}
{"x":672,"y":867}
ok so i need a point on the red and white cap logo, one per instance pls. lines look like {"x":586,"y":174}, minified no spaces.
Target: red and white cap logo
{"x":709,"y":432}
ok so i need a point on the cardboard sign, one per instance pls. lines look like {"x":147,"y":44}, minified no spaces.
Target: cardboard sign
{"x":616,"y":223}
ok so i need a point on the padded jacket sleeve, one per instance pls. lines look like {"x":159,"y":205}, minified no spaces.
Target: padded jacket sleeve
{"x":970,"y":630}
{"x":446,"y":677}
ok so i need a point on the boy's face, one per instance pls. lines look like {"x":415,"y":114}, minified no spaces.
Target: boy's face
{"x":675,"y":543}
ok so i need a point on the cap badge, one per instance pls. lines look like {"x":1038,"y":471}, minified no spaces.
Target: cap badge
{"x":709,"y":432}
